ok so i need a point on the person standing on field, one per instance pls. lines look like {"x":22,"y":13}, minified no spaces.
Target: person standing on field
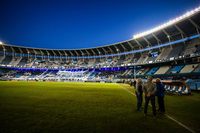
{"x":160,"y":93}
{"x":139,"y":92}
{"x":150,"y":91}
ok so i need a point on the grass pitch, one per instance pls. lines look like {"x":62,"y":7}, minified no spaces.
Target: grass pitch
{"x":48,"y":107}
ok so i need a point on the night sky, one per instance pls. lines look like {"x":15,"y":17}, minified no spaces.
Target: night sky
{"x":71,"y":24}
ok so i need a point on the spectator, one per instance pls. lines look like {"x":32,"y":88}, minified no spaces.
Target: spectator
{"x":149,"y":91}
{"x":133,"y":83}
{"x":160,"y":95}
{"x":139,"y":92}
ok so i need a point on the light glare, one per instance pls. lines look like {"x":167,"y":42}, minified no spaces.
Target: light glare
{"x":171,"y":22}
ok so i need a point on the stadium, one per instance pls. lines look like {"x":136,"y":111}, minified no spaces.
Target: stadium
{"x":88,"y":89}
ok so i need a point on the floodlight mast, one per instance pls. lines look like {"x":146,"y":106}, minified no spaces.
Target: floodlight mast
{"x":169,"y":23}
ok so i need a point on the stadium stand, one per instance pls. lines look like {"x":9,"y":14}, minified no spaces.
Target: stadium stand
{"x":152,"y":71}
{"x":197,"y":69}
{"x":175,"y":52}
{"x":175,"y":69}
{"x":162,"y":70}
{"x":164,"y":54}
{"x":188,"y":68}
{"x":6,"y":60}
{"x":15,"y":61}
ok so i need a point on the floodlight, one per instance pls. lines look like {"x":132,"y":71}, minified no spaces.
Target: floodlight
{"x":169,"y":23}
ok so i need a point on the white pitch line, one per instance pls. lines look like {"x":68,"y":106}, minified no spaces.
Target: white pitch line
{"x":181,"y":124}
{"x":169,"y":117}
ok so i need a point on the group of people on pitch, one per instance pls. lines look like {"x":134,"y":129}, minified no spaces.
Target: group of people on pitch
{"x":151,"y":91}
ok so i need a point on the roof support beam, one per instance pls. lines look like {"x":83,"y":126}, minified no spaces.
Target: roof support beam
{"x":117,"y":49}
{"x":149,"y":44}
{"x":82,"y":54}
{"x":195,"y":25}
{"x":181,"y":31}
{"x":105,"y":52}
{"x":54,"y":54}
{"x":138,"y":43}
{"x":66,"y":55}
{"x":21,"y":52}
{"x":76,"y":53}
{"x":59,"y":52}
{"x":99,"y":52}
{"x":35,"y":53}
{"x":93,"y":52}
{"x":167,"y":34}
{"x":60,"y":55}
{"x":87,"y":52}
{"x":112,"y":52}
{"x":47,"y":54}
{"x":13,"y":51}
{"x":3,"y":47}
{"x":130,"y":44}
{"x":28,"y":52}
{"x":158,"y":40}
{"x":41,"y":53}
{"x":123,"y":46}
{"x":71,"y":54}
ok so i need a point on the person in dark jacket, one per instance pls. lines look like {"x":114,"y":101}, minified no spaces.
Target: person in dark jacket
{"x":160,"y":93}
{"x":139,"y":92}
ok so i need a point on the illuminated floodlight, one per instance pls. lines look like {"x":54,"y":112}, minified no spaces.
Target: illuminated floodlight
{"x":171,"y":22}
{"x":1,"y":42}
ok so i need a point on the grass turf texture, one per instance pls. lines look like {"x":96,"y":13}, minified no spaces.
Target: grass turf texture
{"x":87,"y":107}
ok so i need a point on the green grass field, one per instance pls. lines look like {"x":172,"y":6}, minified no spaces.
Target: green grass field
{"x":48,"y":107}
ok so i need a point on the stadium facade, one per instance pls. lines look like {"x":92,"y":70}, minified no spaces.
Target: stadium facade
{"x":170,"y":51}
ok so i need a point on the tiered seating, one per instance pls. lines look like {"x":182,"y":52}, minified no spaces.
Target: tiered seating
{"x":188,"y":68}
{"x":142,"y":71}
{"x":127,"y":72}
{"x":190,"y":49}
{"x":152,"y":71}
{"x":164,"y":54}
{"x":141,"y":59}
{"x":23,"y":62}
{"x":91,"y":62}
{"x":128,"y":59}
{"x":176,"y":51}
{"x":175,"y":69}
{"x":75,"y":75}
{"x":6,"y":60}
{"x":119,"y":61}
{"x":146,"y":56}
{"x":180,"y":90}
{"x":197,"y":70}
{"x":162,"y":70}
{"x":167,"y":53}
{"x":29,"y":63}
{"x":15,"y":61}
